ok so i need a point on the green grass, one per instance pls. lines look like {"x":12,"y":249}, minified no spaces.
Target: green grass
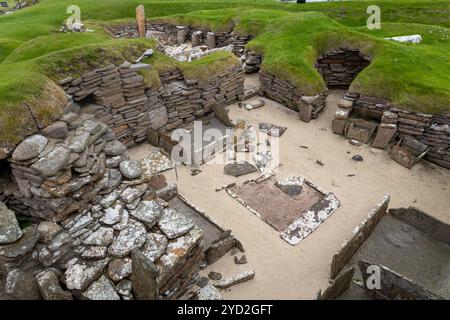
{"x":291,"y":36}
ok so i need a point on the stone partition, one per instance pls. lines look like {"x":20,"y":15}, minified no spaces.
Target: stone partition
{"x":360,"y":234}
{"x":287,"y":94}
{"x":432,"y":130}
{"x":340,"y":67}
{"x":91,"y":207}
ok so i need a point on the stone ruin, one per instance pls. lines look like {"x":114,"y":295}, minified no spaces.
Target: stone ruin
{"x":100,"y":226}
{"x":409,"y":248}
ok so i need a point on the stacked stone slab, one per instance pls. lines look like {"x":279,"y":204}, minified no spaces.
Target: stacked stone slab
{"x":117,"y":97}
{"x":92,"y":207}
{"x":432,"y":130}
{"x":251,"y":61}
{"x":189,"y":100}
{"x":289,"y":95}
{"x":340,"y":67}
{"x":174,"y":35}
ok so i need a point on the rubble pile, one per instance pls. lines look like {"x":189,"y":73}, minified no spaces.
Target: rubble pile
{"x":102,"y":227}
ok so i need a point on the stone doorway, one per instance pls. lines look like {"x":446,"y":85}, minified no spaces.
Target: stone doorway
{"x":340,"y":67}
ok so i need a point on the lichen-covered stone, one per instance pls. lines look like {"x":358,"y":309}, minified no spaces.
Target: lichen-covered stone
{"x":50,"y":287}
{"x":102,"y":237}
{"x":174,"y":224}
{"x":113,"y":214}
{"x":9,"y":227}
{"x":147,"y":212}
{"x":155,"y":246}
{"x":133,"y":236}
{"x":101,"y":289}
{"x":22,"y":285}
{"x":22,"y":246}
{"x":209,"y":293}
{"x":30,"y":148}
{"x":131,"y":194}
{"x":119,"y":269}
{"x":130,"y":169}
{"x":54,"y":162}
{"x":80,"y":275}
{"x":114,"y":148}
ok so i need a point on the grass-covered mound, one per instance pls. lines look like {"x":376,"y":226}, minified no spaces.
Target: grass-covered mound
{"x":33,"y":52}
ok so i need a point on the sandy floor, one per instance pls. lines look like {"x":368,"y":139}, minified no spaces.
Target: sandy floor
{"x":298,"y":272}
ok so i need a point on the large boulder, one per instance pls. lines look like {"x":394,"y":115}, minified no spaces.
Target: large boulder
{"x":30,"y":148}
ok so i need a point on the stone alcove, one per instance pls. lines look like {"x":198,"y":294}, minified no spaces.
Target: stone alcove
{"x":340,"y":67}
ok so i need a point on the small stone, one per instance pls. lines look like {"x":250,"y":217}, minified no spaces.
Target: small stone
{"x":119,"y":269}
{"x":355,"y":142}
{"x":320,"y":162}
{"x":124,"y":287}
{"x":357,"y":157}
{"x":48,"y":231}
{"x":22,"y":285}
{"x":239,"y":168}
{"x":108,"y":200}
{"x":133,"y":236}
{"x":9,"y":227}
{"x":22,"y":246}
{"x":79,"y":276}
{"x":168,"y":192}
{"x":174,"y":224}
{"x":241,"y":260}
{"x":94,"y":253}
{"x":50,"y":288}
{"x":30,"y":148}
{"x":79,"y":142}
{"x":57,"y":130}
{"x":102,"y":237}
{"x":113,"y":214}
{"x":215,"y":276}
{"x":131,"y":169}
{"x":102,"y":289}
{"x":54,"y":162}
{"x":114,"y":148}
{"x":147,"y":212}
{"x":202,"y":282}
{"x":209,"y":293}
{"x":155,"y":246}
{"x":131,"y":194}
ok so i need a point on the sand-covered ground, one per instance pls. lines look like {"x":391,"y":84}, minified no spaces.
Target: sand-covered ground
{"x":298,"y":272}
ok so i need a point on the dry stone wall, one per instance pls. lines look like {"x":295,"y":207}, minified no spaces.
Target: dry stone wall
{"x":119,"y":97}
{"x":340,"y":67}
{"x":92,"y":207}
{"x":289,"y":95}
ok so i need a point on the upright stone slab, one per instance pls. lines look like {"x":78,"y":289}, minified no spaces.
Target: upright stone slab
{"x":384,"y":135}
{"x":9,"y":227}
{"x":195,"y":38}
{"x":181,"y":34}
{"x":140,"y":20}
{"x":144,"y":277}
{"x":211,"y":40}
{"x":305,"y":112}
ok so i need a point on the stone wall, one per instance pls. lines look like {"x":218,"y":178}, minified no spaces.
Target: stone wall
{"x":287,"y":94}
{"x":92,"y":207}
{"x":340,"y":67}
{"x":172,"y":35}
{"x":432,"y":130}
{"x":119,"y":97}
